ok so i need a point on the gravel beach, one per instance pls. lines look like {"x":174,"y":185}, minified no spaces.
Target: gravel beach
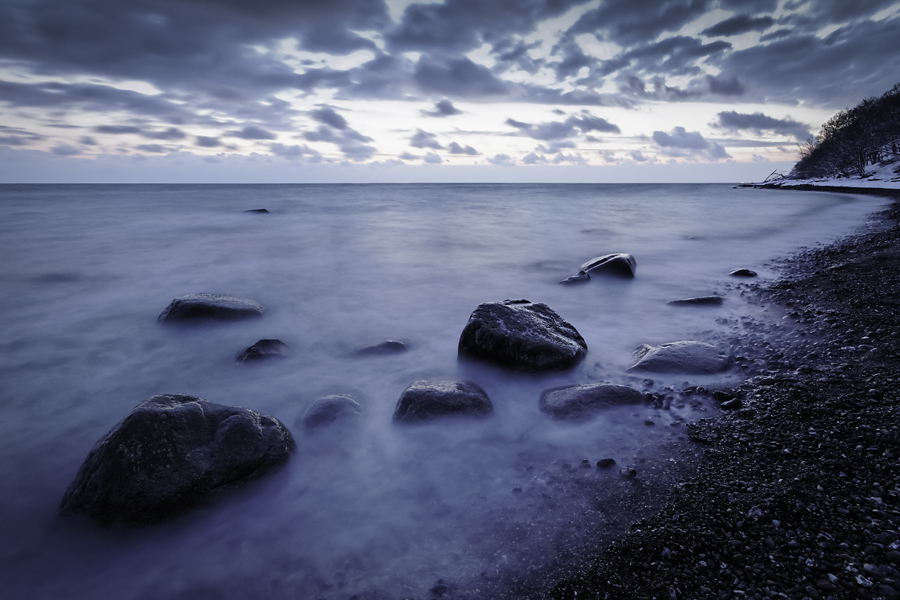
{"x":798,"y":491}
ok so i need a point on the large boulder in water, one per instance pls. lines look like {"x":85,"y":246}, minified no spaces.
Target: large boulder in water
{"x":693,"y":358}
{"x":328,"y":409}
{"x":172,"y":453}
{"x":426,"y":400}
{"x":217,"y":307}
{"x":618,"y":265}
{"x":577,"y":402}
{"x":521,"y":335}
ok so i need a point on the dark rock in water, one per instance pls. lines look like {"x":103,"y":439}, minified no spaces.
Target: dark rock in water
{"x":521,"y":335}
{"x":386,"y":347}
{"x":580,"y":277}
{"x":606,"y":463}
{"x":620,"y":265}
{"x":426,"y":400}
{"x":695,"y":358}
{"x":328,"y":409}
{"x":582,"y":401}
{"x":628,"y":472}
{"x":263,"y":349}
{"x":216,"y":307}
{"x":259,"y":211}
{"x":701,"y":300}
{"x":743,"y":273}
{"x":170,"y":454}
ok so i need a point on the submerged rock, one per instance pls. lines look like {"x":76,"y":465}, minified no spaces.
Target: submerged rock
{"x":259,"y":211}
{"x":619,"y":265}
{"x":171,"y":453}
{"x":263,"y":349}
{"x":696,"y":358}
{"x":328,"y":409}
{"x":386,"y":347}
{"x":743,"y":273}
{"x":217,"y":307}
{"x":426,"y":400}
{"x":580,"y":277}
{"x":522,"y":335}
{"x":700,"y":300}
{"x":582,"y":401}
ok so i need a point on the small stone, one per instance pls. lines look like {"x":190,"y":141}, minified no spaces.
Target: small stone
{"x":628,"y":472}
{"x":382,"y":349}
{"x":268,"y":348}
{"x":605,"y":463}
{"x":743,"y":273}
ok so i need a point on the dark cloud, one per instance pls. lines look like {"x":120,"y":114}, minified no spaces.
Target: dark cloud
{"x":739,"y":24}
{"x":533,"y":159}
{"x":725,"y":85}
{"x":443,"y":108}
{"x":459,"y":77}
{"x":15,"y":136}
{"x":558,"y":130}
{"x":65,"y":150}
{"x":252,"y":132}
{"x":511,"y":53}
{"x":423,"y":139}
{"x":207,"y":142}
{"x":117,"y":129}
{"x":676,"y":55}
{"x":87,"y":140}
{"x":776,"y":35}
{"x":169,"y":134}
{"x":750,"y":6}
{"x":455,"y":148}
{"x":337,"y":131}
{"x":573,"y":59}
{"x":328,"y":116}
{"x":502,"y":160}
{"x":680,"y":142}
{"x":759,"y":123}
{"x":629,"y":22}
{"x":154,"y":148}
{"x":432,"y":158}
{"x":294,"y":151}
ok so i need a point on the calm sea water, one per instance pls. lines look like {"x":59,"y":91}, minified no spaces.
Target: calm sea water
{"x":379,"y":511}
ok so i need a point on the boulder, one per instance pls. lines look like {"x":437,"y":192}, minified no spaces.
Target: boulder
{"x":263,"y":349}
{"x":700,"y":300}
{"x":171,"y":453}
{"x":522,"y":335}
{"x":427,"y":400}
{"x":575,"y":402}
{"x":386,"y":347}
{"x":619,"y":265}
{"x":328,"y":409}
{"x":743,"y":273}
{"x":216,"y":307}
{"x":580,"y":277}
{"x":694,"y":358}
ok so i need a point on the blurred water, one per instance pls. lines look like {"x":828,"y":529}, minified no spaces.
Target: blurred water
{"x":378,"y":510}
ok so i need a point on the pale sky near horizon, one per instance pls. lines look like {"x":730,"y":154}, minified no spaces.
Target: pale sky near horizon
{"x":454,"y":90}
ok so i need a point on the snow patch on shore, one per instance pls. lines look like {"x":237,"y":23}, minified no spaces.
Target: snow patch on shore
{"x":879,"y":176}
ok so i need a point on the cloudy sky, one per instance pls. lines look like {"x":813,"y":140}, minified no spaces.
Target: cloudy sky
{"x":452,"y":90}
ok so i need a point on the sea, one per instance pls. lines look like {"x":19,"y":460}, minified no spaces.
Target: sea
{"x":499,"y":507}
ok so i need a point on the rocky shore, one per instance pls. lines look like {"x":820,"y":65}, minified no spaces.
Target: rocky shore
{"x":798,"y":493}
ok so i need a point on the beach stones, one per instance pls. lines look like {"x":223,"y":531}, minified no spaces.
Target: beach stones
{"x":171,"y":453}
{"x":521,"y":335}
{"x":426,"y":400}
{"x":329,"y":409}
{"x":743,"y":273}
{"x":263,"y":349}
{"x":618,"y":265}
{"x":382,"y":349}
{"x":578,"y":402}
{"x":694,"y":358}
{"x":699,"y":301}
{"x":215,"y":307}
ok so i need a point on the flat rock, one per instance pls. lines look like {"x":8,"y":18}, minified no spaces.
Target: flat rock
{"x":328,"y":409}
{"x":700,"y":300}
{"x":172,"y":453}
{"x":578,"y":402}
{"x":425,"y":400}
{"x":743,"y":273}
{"x":619,"y":265}
{"x":693,"y":358}
{"x":382,"y":349}
{"x":258,"y":211}
{"x":262,"y":349}
{"x":522,"y":335}
{"x":216,"y":307}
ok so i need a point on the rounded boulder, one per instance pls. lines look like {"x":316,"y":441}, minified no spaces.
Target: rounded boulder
{"x":578,"y":402}
{"x":426,"y":400}
{"x":210,"y":307}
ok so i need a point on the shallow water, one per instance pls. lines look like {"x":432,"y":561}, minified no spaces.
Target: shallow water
{"x":376,"y":508}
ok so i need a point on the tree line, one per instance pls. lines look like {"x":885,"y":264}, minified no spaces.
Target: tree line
{"x":852,"y":139}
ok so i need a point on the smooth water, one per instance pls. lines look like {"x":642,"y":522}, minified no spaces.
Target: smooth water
{"x":379,"y":510}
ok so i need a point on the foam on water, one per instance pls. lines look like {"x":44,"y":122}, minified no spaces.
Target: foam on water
{"x":379,"y":508}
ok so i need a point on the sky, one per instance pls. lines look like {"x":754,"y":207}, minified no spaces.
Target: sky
{"x":296,"y":91}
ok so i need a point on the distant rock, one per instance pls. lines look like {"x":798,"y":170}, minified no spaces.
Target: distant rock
{"x":578,"y":402}
{"x":426,"y":400}
{"x":522,"y":335}
{"x":171,"y":453}
{"x":215,"y":307}
{"x":328,"y":409}
{"x":263,"y":349}
{"x":580,"y":277}
{"x":700,"y":300}
{"x":743,"y":273}
{"x":619,"y":265}
{"x":259,"y":211}
{"x":693,"y":358}
{"x":386,"y":347}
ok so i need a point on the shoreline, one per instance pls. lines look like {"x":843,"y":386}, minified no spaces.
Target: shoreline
{"x":798,"y":492}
